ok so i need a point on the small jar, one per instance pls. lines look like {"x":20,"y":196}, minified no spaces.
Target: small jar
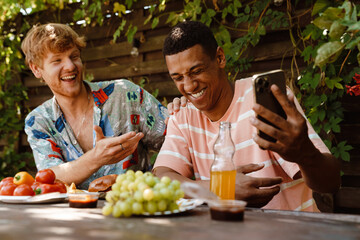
{"x":227,"y":210}
{"x":83,"y":200}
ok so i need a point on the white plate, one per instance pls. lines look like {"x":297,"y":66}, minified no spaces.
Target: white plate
{"x":184,"y":205}
{"x":42,"y":198}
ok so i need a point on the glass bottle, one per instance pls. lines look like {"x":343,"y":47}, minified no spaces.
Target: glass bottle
{"x":222,"y":171}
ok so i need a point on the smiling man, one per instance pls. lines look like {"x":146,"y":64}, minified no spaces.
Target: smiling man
{"x":87,"y":130}
{"x":280,"y":177}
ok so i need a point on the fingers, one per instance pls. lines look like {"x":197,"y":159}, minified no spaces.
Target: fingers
{"x":170,"y":108}
{"x":99,"y":133}
{"x":249,"y":168}
{"x":127,"y":139}
{"x":261,"y":197}
{"x":287,"y":102}
{"x":183,"y":101}
{"x":267,"y":182}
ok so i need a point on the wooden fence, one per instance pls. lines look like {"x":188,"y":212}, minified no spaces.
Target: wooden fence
{"x":105,"y":60}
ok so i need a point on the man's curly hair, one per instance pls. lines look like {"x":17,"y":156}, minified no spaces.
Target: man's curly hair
{"x":188,"y":34}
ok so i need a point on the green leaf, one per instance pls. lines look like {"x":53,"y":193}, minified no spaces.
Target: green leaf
{"x":322,"y":22}
{"x":155,"y":22}
{"x":130,"y":33}
{"x":328,"y":53}
{"x":336,"y":30}
{"x":333,"y":13}
{"x":354,"y":27}
{"x":319,"y":6}
{"x":247,"y":9}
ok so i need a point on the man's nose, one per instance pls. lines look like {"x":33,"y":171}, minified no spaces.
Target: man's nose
{"x":190,"y":84}
{"x":69,"y":64}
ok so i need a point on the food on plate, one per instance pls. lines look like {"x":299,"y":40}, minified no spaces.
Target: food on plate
{"x":23,"y":190}
{"x":102,"y":184}
{"x":24,"y":184}
{"x":23,"y":178}
{"x":138,"y":193}
{"x":72,"y":189}
{"x":45,"y":176}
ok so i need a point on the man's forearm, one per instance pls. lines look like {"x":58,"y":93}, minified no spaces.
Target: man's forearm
{"x":322,"y":173}
{"x":76,"y":171}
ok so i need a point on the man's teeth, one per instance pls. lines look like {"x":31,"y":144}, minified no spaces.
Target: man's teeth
{"x":196,"y":95}
{"x":68,"y":77}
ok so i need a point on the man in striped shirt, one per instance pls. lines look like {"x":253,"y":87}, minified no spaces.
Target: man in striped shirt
{"x":283,"y":175}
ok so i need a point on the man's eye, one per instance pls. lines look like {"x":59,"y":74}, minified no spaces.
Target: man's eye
{"x":56,"y":60}
{"x":197,"y":71}
{"x":178,"y":78}
{"x":75,"y":56}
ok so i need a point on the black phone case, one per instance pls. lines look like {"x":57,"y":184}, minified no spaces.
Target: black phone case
{"x":264,"y":96}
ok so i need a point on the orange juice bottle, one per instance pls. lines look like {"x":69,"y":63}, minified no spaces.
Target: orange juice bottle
{"x":222,"y":172}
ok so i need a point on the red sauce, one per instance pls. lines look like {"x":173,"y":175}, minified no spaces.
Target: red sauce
{"x":227,"y":214}
{"x":91,"y":203}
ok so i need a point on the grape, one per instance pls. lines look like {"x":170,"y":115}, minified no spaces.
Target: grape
{"x":162,"y":204}
{"x":166,"y":180}
{"x":137,"y":208}
{"x":139,"y":174}
{"x":107,"y":209}
{"x":151,"y":207}
{"x":148,"y":194}
{"x":138,"y":196}
{"x":138,"y":192}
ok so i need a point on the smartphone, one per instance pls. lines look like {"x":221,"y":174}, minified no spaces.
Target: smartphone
{"x":263,"y":95}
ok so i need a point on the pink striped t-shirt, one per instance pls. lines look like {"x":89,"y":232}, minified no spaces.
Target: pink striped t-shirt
{"x":188,"y":149}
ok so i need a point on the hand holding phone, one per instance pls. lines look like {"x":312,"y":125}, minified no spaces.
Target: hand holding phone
{"x":263,"y":95}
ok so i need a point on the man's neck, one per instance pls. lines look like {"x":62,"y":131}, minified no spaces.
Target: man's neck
{"x":73,"y":107}
{"x":224,"y":102}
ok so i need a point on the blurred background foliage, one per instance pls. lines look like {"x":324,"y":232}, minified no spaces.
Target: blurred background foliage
{"x":329,"y":45}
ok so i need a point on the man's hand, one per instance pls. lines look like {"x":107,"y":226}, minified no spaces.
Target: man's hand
{"x":293,"y":143}
{"x":109,"y":150}
{"x":175,"y":105}
{"x":256,"y":191}
{"x":321,"y":171}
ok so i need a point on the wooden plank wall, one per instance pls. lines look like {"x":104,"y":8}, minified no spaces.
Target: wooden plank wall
{"x":106,"y":61}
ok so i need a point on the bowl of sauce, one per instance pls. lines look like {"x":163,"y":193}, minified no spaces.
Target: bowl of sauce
{"x":227,"y":210}
{"x":83,"y":200}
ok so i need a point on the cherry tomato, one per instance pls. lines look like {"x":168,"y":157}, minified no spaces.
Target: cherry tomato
{"x":5,"y":181}
{"x":8,"y":189}
{"x":23,"y":190}
{"x":45,"y":176}
{"x":35,"y":185}
{"x":23,"y":178}
{"x":47,"y":188}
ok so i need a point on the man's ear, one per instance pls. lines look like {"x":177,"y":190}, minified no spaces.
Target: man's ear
{"x":35,"y":69}
{"x":220,"y":57}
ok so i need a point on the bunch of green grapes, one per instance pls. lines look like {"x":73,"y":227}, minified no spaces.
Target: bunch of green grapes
{"x":138,"y":193}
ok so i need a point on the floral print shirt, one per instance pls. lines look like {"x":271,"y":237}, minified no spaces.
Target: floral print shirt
{"x":120,"y":106}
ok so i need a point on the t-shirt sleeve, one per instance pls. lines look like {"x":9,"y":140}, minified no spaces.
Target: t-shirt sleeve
{"x":175,"y":153}
{"x":46,"y":151}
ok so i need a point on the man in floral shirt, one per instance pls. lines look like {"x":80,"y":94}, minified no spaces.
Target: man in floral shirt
{"x":87,"y":130}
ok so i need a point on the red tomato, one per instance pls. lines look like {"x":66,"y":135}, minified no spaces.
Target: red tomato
{"x":23,"y":190}
{"x":61,"y":187}
{"x":35,"y":185}
{"x":5,"y":181}
{"x":46,"y":188}
{"x":45,"y":176}
{"x":8,"y":189}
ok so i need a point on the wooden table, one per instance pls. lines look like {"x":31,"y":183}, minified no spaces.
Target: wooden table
{"x":60,"y":222}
